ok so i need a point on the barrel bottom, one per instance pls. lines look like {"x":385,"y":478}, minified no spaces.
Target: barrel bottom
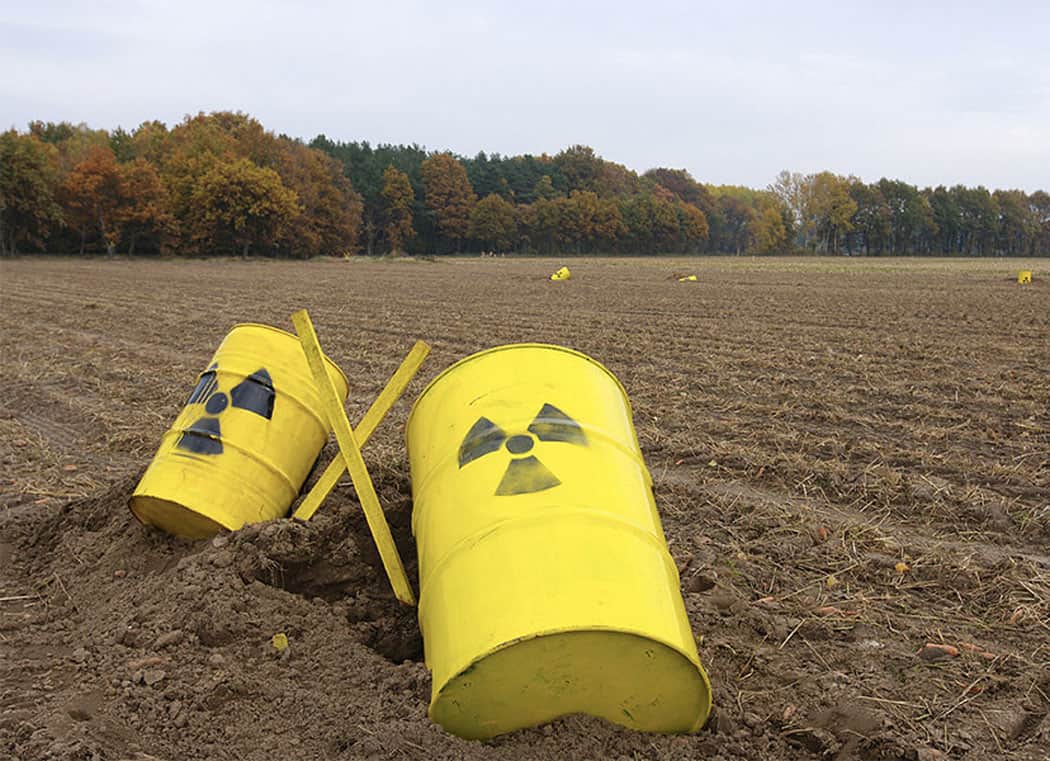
{"x":173,"y":518}
{"x":625,"y":678}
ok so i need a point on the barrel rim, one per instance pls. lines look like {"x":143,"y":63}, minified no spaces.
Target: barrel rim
{"x":295,"y":338}
{"x":506,"y":347}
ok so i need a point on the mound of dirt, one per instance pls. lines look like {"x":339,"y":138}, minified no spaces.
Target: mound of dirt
{"x":130,"y":644}
{"x":162,"y":646}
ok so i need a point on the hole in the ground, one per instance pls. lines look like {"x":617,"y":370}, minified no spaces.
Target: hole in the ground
{"x":393,"y":632}
{"x":334,"y":558}
{"x":385,"y":625}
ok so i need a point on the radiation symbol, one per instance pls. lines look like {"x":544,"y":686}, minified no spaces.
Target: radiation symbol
{"x":255,"y":394}
{"x":525,"y":473}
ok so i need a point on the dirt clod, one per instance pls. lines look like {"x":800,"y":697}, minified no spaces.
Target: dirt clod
{"x":937,"y":652}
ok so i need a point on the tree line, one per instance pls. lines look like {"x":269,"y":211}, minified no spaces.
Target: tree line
{"x":221,"y":184}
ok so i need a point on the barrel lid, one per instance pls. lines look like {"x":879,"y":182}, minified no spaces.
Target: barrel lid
{"x":511,"y":347}
{"x":295,"y":338}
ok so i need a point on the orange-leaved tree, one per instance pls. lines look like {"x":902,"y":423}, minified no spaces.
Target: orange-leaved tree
{"x":94,"y":195}
{"x":331,"y":211}
{"x":449,"y":195}
{"x":692,"y":226}
{"x":146,"y":217}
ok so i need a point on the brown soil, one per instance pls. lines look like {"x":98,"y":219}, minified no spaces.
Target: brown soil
{"x":851,"y":459}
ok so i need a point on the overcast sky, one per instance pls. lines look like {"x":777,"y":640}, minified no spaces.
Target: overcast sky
{"x":927,"y":92}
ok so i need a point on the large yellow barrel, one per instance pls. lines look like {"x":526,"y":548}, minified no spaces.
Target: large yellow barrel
{"x":546,"y":587}
{"x":243,"y":445}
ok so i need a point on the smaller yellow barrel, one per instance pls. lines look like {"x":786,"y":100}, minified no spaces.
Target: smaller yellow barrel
{"x":1024,"y":277}
{"x":245,"y":442}
{"x":546,"y":586}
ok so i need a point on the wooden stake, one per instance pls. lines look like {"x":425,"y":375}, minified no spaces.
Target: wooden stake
{"x":355,"y":463}
{"x":375,"y":414}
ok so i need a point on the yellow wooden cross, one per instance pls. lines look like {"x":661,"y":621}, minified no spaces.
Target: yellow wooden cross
{"x":365,"y":428}
{"x":350,"y":450}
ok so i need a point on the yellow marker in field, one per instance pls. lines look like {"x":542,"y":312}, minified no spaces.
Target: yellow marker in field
{"x":355,"y":463}
{"x":1024,"y":277}
{"x":688,"y":279}
{"x":390,"y":394}
{"x":561,"y":274}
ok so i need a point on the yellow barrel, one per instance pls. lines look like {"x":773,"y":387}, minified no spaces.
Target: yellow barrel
{"x":546,"y":587}
{"x":243,"y":445}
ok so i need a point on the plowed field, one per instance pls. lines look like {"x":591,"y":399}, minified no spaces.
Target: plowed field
{"x":851,"y":460}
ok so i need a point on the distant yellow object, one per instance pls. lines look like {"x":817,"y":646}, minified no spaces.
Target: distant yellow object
{"x":688,"y":279}
{"x":1024,"y":277}
{"x":546,"y":587}
{"x":279,"y":641}
{"x":562,"y":274}
{"x":243,"y":445}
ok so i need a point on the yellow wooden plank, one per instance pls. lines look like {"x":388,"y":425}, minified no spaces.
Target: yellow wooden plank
{"x":375,"y":414}
{"x":320,"y":491}
{"x":355,"y":463}
{"x":392,"y":391}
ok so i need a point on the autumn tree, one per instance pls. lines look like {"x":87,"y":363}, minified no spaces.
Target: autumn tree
{"x":609,"y":227}
{"x":769,"y":233}
{"x":330,"y":218}
{"x":692,"y":227}
{"x":398,"y":200}
{"x":81,"y":143}
{"x":94,"y":195}
{"x":28,"y":182}
{"x":828,"y":209}
{"x":449,"y":196}
{"x":651,"y":222}
{"x":150,"y":142}
{"x":239,"y":205}
{"x":146,"y":216}
{"x":578,"y":215}
{"x":494,"y":222}
{"x":682,"y":185}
